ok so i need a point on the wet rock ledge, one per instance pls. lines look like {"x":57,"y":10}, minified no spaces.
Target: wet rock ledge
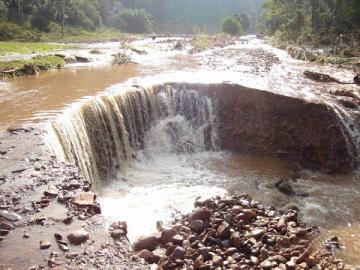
{"x":237,"y":233}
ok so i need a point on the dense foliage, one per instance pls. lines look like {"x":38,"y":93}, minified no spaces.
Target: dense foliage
{"x":294,"y":19}
{"x":232,"y":26}
{"x":186,"y":16}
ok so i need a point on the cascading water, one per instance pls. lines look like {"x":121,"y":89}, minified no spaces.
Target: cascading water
{"x":102,"y":136}
{"x":153,"y":143}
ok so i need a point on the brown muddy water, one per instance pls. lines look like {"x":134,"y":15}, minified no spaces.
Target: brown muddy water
{"x":153,"y":189}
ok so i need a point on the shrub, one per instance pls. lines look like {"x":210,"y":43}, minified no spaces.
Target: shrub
{"x":135,"y":21}
{"x":231,"y":26}
{"x":11,"y":31}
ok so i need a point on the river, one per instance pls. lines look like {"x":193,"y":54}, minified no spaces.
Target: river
{"x":159,"y":183}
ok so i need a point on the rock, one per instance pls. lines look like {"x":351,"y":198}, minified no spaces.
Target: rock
{"x":51,"y":192}
{"x":146,"y":242}
{"x":197,"y":225}
{"x":236,"y":239}
{"x":287,"y":207}
{"x":64,"y":247}
{"x":70,"y":59}
{"x":224,"y":230}
{"x":78,"y":237}
{"x":4,"y":232}
{"x":217,"y":260}
{"x":357,"y":79}
{"x":44,"y":244}
{"x":291,"y":265}
{"x":5,"y":226}
{"x":117,"y":234}
{"x":266,"y":265}
{"x":286,"y":188}
{"x":167,"y":235}
{"x":178,"y":254}
{"x":202,"y":214}
{"x":11,"y":216}
{"x":58,"y":236}
{"x":148,"y":256}
{"x":84,"y":199}
{"x":68,"y":220}
{"x":257,"y":233}
{"x":82,"y":59}
{"x":277,"y":258}
{"x":281,"y":224}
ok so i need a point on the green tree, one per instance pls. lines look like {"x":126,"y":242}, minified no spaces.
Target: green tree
{"x":135,"y":21}
{"x":231,"y":26}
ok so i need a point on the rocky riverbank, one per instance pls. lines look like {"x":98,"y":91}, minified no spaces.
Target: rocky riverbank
{"x":238,"y":233}
{"x":49,"y":216}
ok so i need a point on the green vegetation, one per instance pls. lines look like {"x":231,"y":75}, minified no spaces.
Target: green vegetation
{"x":26,"y":47}
{"x":317,"y":21}
{"x":136,"y":21}
{"x":232,"y":26}
{"x":31,"y":66}
{"x":68,"y":20}
{"x":202,"y":42}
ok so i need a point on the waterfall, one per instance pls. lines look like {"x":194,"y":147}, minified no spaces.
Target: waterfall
{"x":103,"y":135}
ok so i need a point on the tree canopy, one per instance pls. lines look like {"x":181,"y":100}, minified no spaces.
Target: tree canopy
{"x":175,"y":16}
{"x":291,"y":19}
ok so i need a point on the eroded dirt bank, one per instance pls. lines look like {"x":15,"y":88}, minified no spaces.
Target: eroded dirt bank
{"x":262,"y":122}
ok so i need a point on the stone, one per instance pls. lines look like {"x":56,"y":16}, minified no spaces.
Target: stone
{"x":217,"y":260}
{"x":286,"y":188}
{"x":117,"y":234}
{"x":266,"y":265}
{"x":167,"y":235}
{"x":82,"y":59}
{"x":281,"y":224}
{"x":44,"y":244}
{"x":357,"y":79}
{"x":224,"y":230}
{"x":236,"y":239}
{"x":291,"y":265}
{"x":5,"y":226}
{"x":78,"y":237}
{"x":149,"y":256}
{"x":146,"y":242}
{"x":4,"y":232}
{"x":257,"y":233}
{"x":51,"y":192}
{"x":202,"y":214}
{"x":287,"y":207}
{"x":64,"y":247}
{"x":11,"y":216}
{"x":197,"y":225}
{"x":178,"y":253}
{"x":58,"y":236}
{"x":84,"y":199}
{"x":277,"y":258}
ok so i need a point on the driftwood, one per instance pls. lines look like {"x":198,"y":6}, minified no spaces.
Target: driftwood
{"x":320,"y":77}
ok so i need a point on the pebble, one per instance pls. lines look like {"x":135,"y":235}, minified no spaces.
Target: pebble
{"x":78,"y":237}
{"x":44,"y":244}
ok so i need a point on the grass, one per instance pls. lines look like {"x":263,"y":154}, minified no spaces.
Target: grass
{"x":28,"y":47}
{"x":39,"y":62}
{"x":76,"y":35}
